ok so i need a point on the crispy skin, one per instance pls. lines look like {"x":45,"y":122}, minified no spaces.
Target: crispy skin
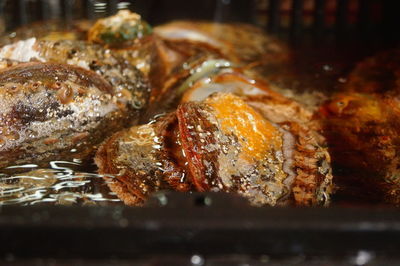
{"x":52,"y":111}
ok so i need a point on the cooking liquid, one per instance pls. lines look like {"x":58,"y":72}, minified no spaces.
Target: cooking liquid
{"x":315,"y":72}
{"x":62,"y":183}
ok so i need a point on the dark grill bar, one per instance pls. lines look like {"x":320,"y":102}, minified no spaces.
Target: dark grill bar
{"x":22,"y":14}
{"x":297,"y":16}
{"x":274,"y":16}
{"x":342,"y":10}
{"x":319,"y":16}
{"x":184,"y":228}
{"x":367,"y":14}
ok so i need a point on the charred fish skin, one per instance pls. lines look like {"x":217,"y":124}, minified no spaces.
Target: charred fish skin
{"x":51,"y":111}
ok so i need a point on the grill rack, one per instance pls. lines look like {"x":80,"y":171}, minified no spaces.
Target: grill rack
{"x":198,"y":229}
{"x":189,"y":229}
{"x":294,"y":16}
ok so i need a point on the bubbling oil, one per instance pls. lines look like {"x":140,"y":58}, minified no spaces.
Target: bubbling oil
{"x":60,"y":183}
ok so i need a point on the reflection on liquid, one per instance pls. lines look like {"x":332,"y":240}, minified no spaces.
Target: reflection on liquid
{"x":62,"y":183}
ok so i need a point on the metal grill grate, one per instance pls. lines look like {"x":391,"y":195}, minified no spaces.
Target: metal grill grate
{"x":316,"y":16}
{"x":274,"y":14}
{"x":293,"y":17}
{"x":226,"y":227}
